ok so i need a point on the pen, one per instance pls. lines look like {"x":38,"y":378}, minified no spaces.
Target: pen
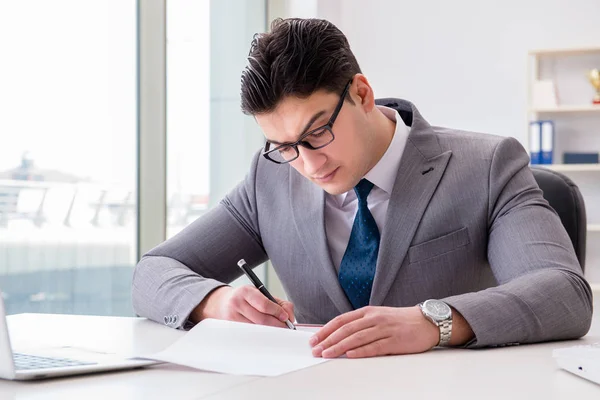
{"x":259,"y":285}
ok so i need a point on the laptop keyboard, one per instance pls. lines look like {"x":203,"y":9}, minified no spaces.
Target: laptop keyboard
{"x":26,"y":361}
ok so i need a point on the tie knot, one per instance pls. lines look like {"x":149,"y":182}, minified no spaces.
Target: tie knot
{"x":363,"y":189}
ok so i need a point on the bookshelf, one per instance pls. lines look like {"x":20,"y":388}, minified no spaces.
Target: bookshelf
{"x":575,"y":51}
{"x":573,"y":167}
{"x":577,"y":129}
{"x":569,"y":108}
{"x":593,"y":227}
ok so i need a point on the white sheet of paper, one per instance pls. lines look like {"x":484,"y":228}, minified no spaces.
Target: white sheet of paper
{"x":241,"y":349}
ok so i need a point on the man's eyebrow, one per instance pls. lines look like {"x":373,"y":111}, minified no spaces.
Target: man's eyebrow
{"x":306,"y":127}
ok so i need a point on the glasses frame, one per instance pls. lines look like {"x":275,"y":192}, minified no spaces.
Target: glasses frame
{"x":301,"y":142}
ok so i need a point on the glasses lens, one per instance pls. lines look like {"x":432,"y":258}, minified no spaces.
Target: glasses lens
{"x":283,"y":154}
{"x":319,"y":138}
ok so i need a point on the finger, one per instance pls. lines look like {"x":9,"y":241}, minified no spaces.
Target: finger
{"x":257,"y":317}
{"x":288,"y":308}
{"x":257,"y":300}
{"x":356,"y":327}
{"x":240,"y":318}
{"x":373,"y":349}
{"x":334,"y":325}
{"x":357,"y":340}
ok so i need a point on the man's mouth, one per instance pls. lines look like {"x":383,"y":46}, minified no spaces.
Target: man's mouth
{"x":326,"y":177}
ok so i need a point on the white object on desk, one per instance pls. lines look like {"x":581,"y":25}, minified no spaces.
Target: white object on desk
{"x":55,"y":361}
{"x":583,"y":360}
{"x":241,"y":349}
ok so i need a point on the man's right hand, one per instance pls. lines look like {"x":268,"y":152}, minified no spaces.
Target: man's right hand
{"x":243,"y":304}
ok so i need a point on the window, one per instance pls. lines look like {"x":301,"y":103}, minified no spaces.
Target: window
{"x":68,"y":155}
{"x":210,"y":141}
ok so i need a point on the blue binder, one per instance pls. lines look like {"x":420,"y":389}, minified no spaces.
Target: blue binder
{"x":535,"y":145}
{"x":547,"y":141}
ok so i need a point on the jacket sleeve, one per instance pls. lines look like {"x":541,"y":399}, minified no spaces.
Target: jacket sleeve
{"x":174,"y":277}
{"x":541,"y":293}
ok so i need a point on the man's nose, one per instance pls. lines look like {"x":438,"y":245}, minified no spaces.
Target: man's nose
{"x":313,"y":160}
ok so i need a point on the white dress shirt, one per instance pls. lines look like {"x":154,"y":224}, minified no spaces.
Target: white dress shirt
{"x":341,"y":209}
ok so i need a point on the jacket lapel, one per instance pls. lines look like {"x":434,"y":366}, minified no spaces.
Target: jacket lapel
{"x":421,"y":169}
{"x":308,"y":210}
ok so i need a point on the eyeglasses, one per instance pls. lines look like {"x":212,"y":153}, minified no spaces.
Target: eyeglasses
{"x":312,"y":140}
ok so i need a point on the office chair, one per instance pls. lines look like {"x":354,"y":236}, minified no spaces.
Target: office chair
{"x":564,"y":196}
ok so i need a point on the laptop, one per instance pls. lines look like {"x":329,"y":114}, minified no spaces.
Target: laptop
{"x":583,"y":360}
{"x":55,"y":362}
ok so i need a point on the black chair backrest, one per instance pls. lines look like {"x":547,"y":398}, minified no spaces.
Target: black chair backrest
{"x":564,"y":196}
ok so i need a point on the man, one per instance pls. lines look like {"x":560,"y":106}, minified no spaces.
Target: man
{"x":396,"y":235}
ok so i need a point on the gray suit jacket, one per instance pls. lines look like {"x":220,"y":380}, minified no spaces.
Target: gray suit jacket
{"x":466,"y":223}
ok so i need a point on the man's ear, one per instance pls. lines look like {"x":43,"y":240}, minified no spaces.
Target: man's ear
{"x":363,"y":92}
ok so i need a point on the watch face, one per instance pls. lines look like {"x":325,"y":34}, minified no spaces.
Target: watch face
{"x":437,"y":309}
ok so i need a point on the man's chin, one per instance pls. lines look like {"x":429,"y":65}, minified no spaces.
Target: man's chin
{"x":335,"y":184}
{"x":334,"y":188}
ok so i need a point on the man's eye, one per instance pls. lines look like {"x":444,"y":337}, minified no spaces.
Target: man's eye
{"x":319,"y":134}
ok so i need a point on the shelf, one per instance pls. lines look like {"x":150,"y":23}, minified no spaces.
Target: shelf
{"x":565,"y":52}
{"x":593,"y":228}
{"x":585,"y":108}
{"x":571,"y":167}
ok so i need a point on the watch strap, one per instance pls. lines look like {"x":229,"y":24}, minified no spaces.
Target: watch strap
{"x":445,"y":332}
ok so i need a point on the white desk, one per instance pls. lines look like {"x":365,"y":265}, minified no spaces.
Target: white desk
{"x":520,"y":372}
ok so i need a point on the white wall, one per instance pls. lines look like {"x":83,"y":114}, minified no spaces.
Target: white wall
{"x":462,"y":62}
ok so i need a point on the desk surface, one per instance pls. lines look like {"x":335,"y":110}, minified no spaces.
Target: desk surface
{"x":518,"y":372}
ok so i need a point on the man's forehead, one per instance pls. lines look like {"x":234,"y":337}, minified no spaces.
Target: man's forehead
{"x":295,"y":116}
{"x":290,"y":128}
{"x":301,"y":105}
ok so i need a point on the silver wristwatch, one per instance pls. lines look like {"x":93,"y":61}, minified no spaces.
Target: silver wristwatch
{"x":440,"y":314}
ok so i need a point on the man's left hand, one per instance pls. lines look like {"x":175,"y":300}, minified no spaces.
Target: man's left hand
{"x":376,"y":331}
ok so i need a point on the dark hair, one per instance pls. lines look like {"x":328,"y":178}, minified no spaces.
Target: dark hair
{"x":297,"y":58}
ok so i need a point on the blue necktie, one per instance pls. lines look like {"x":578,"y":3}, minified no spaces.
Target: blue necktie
{"x":357,"y":269}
